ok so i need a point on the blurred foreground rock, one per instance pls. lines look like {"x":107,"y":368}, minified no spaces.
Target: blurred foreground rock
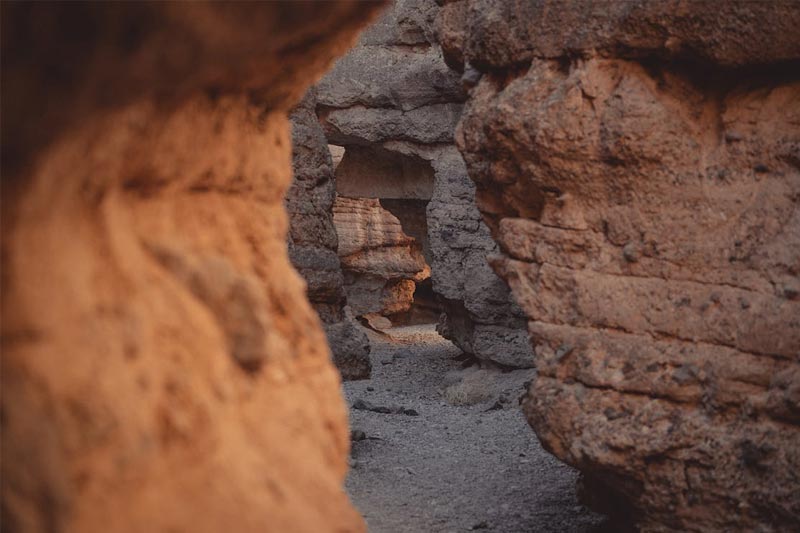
{"x":162,"y":369}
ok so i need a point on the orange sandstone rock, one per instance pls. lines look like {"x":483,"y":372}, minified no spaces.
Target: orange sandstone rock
{"x":162,"y":369}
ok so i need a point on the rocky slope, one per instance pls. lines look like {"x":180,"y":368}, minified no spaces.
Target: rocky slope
{"x":381,"y":263}
{"x":639,"y":165}
{"x":394,"y":104}
{"x":161,"y":367}
{"x":313,"y":241}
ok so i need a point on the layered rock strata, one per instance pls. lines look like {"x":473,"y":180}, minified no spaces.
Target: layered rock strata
{"x":381,"y":264}
{"x":639,"y":163}
{"x":393,"y":103}
{"x":313,"y":241}
{"x":162,"y":369}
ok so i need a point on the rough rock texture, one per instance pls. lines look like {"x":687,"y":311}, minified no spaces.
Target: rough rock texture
{"x":313,"y":242}
{"x":161,"y":367}
{"x":380,"y":262}
{"x":394,"y":104}
{"x":640,"y":166}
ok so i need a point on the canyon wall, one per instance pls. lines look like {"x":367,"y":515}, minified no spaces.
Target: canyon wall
{"x":393,"y":103}
{"x":381,"y":264}
{"x":161,"y":367}
{"x":639,"y":166}
{"x":313,"y":242}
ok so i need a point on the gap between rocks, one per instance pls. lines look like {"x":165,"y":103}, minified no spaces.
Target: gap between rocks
{"x":466,"y":460}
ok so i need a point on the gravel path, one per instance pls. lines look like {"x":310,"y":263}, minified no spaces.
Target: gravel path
{"x":452,"y":467}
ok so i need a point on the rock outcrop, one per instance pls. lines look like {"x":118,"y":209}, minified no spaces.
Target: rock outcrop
{"x":394,"y":104}
{"x":161,"y":367}
{"x":313,"y":241}
{"x":639,"y":165}
{"x":381,"y":264}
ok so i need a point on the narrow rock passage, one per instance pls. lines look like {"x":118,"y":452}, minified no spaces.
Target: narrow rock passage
{"x":451,"y":467}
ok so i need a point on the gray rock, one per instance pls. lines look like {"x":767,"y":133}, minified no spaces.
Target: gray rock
{"x":313,"y":241}
{"x":394,"y":103}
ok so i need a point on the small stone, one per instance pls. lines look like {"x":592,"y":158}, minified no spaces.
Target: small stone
{"x":357,"y":435}
{"x":563,"y":351}
{"x":363,"y":405}
{"x":631,"y":252}
{"x":498,"y":406}
{"x":684,"y":374}
{"x":471,"y":76}
{"x":410,"y":412}
{"x":479,"y":525}
{"x":370,"y":389}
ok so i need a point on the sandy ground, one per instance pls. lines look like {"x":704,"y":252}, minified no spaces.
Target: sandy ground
{"x":452,"y":467}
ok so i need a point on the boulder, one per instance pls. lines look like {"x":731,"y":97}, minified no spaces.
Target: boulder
{"x":638,"y":165}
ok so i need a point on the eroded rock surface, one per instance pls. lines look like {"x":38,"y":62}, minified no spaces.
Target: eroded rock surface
{"x":162,"y":369}
{"x":380,"y":262}
{"x":394,"y":104}
{"x":639,"y":164}
{"x":313,"y":241}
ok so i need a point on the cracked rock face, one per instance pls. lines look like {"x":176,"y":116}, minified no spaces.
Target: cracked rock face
{"x":161,"y":367}
{"x":313,"y":241}
{"x":393,"y":103}
{"x":638,"y":164}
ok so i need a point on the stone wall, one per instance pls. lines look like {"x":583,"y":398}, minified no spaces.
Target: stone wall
{"x":313,"y":241}
{"x":394,"y":104}
{"x":639,"y":166}
{"x":161,"y":367}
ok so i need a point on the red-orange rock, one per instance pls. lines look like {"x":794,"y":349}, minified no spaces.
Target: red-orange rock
{"x":638,"y":164}
{"x":162,"y":370}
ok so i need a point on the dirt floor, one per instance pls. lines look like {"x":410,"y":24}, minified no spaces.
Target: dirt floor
{"x":454,"y":452}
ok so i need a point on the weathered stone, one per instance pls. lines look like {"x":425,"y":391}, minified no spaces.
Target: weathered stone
{"x":394,"y":107}
{"x":380,"y":262}
{"x":313,"y":242}
{"x":161,"y":367}
{"x":647,"y":216}
{"x":492,"y":35}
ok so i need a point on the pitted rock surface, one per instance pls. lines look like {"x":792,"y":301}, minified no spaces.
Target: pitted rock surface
{"x":638,"y":166}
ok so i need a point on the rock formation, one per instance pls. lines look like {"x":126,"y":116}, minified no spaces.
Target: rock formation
{"x":393,"y":103}
{"x":380,"y":262}
{"x":639,"y":163}
{"x":313,"y":241}
{"x":162,"y":369}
